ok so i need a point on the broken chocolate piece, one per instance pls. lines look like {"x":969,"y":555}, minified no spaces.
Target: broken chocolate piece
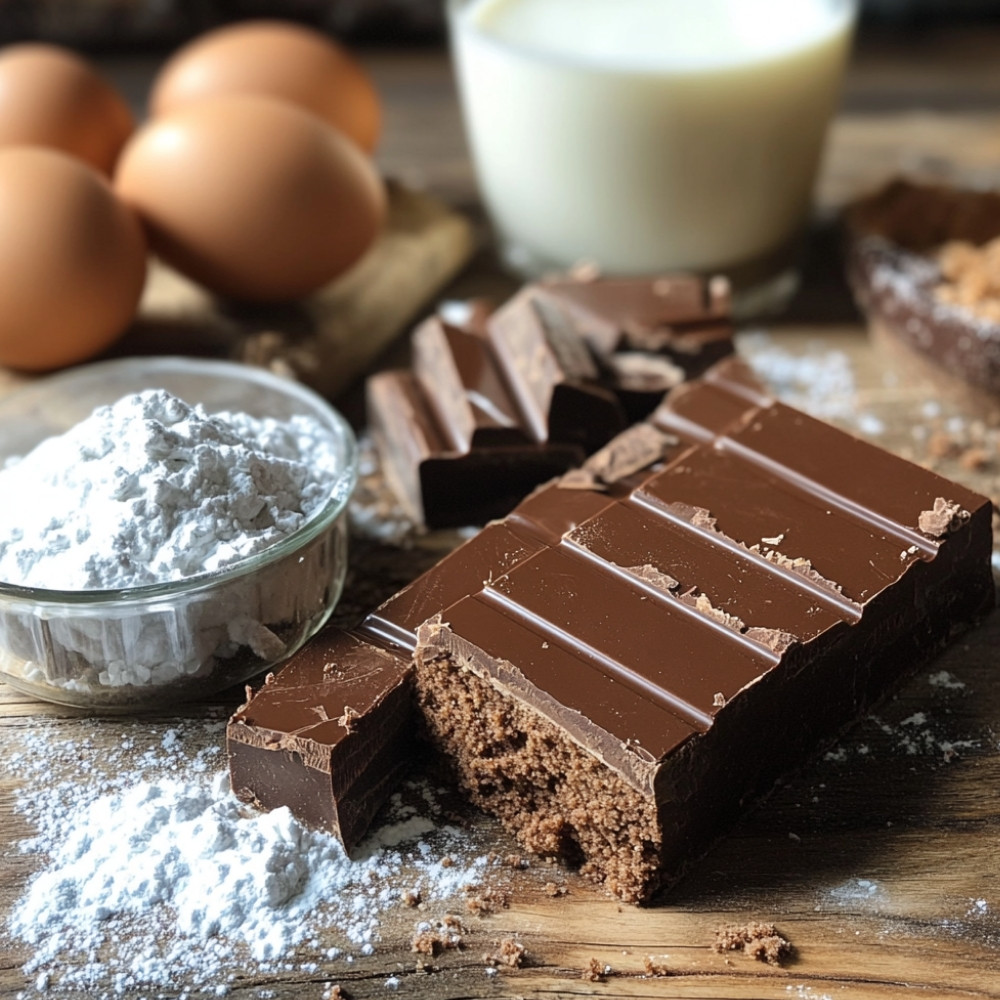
{"x":295,"y":744}
{"x":438,"y":486}
{"x":497,"y":403}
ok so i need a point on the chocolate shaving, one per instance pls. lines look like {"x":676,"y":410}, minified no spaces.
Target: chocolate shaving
{"x":775,"y":640}
{"x":946,"y":517}
{"x":703,"y":605}
{"x":650,"y":574}
{"x":579,"y":479}
{"x":637,"y":448}
{"x":348,"y":719}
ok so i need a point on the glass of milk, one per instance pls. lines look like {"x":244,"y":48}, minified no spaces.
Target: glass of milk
{"x":651,"y":135}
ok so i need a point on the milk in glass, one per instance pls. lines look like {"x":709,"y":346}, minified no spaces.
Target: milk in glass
{"x":648,"y":134}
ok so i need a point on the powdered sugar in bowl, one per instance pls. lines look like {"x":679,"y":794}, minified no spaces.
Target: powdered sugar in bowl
{"x":168,"y":527}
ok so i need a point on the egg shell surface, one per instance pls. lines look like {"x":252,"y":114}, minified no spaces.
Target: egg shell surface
{"x":51,"y":97}
{"x":273,"y":59}
{"x":252,"y":197}
{"x":72,"y":260}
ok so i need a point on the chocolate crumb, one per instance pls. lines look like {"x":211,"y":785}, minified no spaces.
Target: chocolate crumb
{"x":447,"y":862}
{"x":427,"y":943}
{"x":595,"y":972}
{"x":411,"y":897}
{"x":945,"y":517}
{"x":757,"y":940}
{"x":336,"y":992}
{"x":349,"y":717}
{"x":509,"y":951}
{"x":970,"y":277}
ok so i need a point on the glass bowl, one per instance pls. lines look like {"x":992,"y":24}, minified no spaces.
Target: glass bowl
{"x":123,"y":650}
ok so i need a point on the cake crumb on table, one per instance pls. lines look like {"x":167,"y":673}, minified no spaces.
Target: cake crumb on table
{"x":488,"y":901}
{"x":655,"y":969}
{"x":431,"y":940}
{"x":756,"y":940}
{"x":509,"y":951}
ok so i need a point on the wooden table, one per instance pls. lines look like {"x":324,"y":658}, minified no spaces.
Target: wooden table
{"x":879,"y":864}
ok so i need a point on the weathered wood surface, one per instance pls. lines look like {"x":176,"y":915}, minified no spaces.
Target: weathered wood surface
{"x":879,"y":861}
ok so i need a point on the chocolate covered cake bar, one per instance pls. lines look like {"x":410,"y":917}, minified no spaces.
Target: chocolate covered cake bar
{"x":646,"y":643}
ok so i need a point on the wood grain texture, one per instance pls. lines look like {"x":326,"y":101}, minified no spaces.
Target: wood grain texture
{"x":879,"y":859}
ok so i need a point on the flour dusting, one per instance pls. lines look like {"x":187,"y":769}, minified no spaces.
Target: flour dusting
{"x":146,"y":879}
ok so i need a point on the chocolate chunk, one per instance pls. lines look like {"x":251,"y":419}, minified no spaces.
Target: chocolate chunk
{"x":593,"y":665}
{"x":463,"y":387}
{"x":328,"y":736}
{"x":441,"y":487}
{"x":552,"y":373}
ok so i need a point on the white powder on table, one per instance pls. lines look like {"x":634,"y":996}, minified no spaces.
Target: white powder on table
{"x":147,"y":881}
{"x":151,"y":489}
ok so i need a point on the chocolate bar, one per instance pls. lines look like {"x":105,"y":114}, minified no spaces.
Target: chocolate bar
{"x":497,"y":403}
{"x":645,"y":643}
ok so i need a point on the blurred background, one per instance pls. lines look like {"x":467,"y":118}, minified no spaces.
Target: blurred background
{"x":109,"y":25}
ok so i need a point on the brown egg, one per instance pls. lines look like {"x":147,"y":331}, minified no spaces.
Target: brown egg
{"x":51,"y":97}
{"x":252,"y":197}
{"x":72,"y":260}
{"x":273,"y":59}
